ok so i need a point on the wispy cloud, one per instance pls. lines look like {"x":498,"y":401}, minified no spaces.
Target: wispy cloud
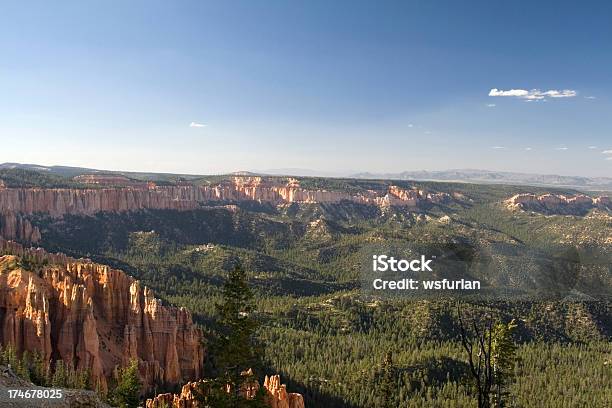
{"x":590,"y":97}
{"x":533,"y":94}
{"x":592,"y":147}
{"x":607,"y":152}
{"x":498,"y":147}
{"x":410,"y":125}
{"x":608,"y":158}
{"x":528,"y":148}
{"x":196,"y":125}
{"x":562,"y":148}
{"x":491,"y":105}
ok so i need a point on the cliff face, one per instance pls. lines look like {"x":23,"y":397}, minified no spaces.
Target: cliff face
{"x":557,"y":203}
{"x":58,"y":202}
{"x":94,"y":318}
{"x":16,"y":203}
{"x":276,"y":395}
{"x":15,"y":226}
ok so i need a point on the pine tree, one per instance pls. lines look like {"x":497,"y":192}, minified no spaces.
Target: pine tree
{"x":60,"y":375}
{"x":23,"y":366}
{"x":388,"y":386}
{"x":503,"y":357}
{"x":235,"y":351}
{"x":39,"y":370}
{"x":9,"y":356}
{"x":127,"y":392}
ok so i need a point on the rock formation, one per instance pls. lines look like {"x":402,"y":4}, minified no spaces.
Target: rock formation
{"x":276,"y":395}
{"x":93,"y":318}
{"x":558,"y":203}
{"x":17,"y":204}
{"x":58,"y":202}
{"x":186,"y":399}
{"x":15,"y":226}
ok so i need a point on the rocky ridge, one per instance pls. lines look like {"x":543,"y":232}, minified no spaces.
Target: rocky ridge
{"x":276,"y":395}
{"x":18,"y":203}
{"x":558,"y":203}
{"x":58,"y":201}
{"x":93,"y":318}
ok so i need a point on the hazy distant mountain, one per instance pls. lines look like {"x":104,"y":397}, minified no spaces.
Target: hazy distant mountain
{"x":458,"y":175}
{"x":67,"y":171}
{"x":498,"y":177}
{"x":302,"y":172}
{"x":64,"y":171}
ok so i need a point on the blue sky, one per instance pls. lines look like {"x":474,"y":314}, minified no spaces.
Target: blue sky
{"x":333,"y":86}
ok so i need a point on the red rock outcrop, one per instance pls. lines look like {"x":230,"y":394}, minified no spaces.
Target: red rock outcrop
{"x":17,"y":203}
{"x":276,"y":395}
{"x":58,"y":202}
{"x":186,"y":399}
{"x":93,"y":318}
{"x":397,"y":196}
{"x":15,"y":226}
{"x":557,"y":203}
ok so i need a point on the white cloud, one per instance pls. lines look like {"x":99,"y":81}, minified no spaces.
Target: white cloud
{"x":561,"y":148}
{"x":566,"y":93}
{"x":608,"y":158}
{"x":592,"y":147}
{"x":512,"y":92}
{"x":528,"y":148}
{"x":491,"y":105}
{"x":534,"y":94}
{"x":590,"y":97}
{"x":410,"y":125}
{"x":498,"y":147}
{"x":196,"y":125}
{"x":607,"y":152}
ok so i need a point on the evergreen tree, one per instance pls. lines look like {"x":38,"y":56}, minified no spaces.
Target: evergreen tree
{"x":503,"y":356}
{"x":39,"y":370}
{"x":9,"y":356}
{"x":388,"y":385}
{"x":127,"y":392}
{"x":235,"y":352}
{"x":23,"y":366}
{"x":60,"y":375}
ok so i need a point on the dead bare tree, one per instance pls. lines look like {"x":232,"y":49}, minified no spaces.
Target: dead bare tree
{"x":476,"y":339}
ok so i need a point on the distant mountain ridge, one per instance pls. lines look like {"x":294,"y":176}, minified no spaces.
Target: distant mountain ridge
{"x":496,"y":177}
{"x":453,"y":175}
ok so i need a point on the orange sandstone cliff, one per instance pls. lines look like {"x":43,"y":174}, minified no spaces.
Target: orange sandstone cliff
{"x":18,"y":203}
{"x":93,"y":318}
{"x":59,"y":201}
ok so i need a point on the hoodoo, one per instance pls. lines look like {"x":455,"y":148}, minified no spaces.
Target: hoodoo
{"x":94,"y":318}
